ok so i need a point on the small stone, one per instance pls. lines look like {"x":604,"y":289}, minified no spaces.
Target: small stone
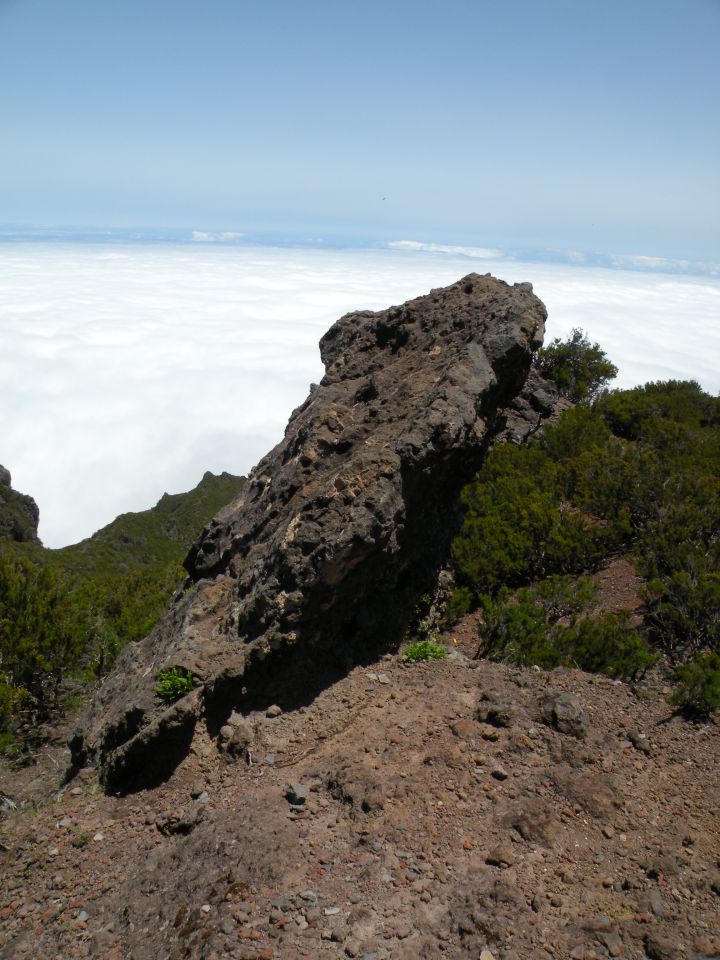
{"x":486,"y":955}
{"x":76,"y":792}
{"x":205,"y":908}
{"x":83,"y":916}
{"x":352,"y":947}
{"x":563,"y":712}
{"x":198,"y":787}
{"x":499,"y":773}
{"x":332,"y":911}
{"x":98,"y":837}
{"x":273,"y":711}
{"x":502,"y":856}
{"x":639,"y":741}
{"x":577,"y":953}
{"x":297,"y":794}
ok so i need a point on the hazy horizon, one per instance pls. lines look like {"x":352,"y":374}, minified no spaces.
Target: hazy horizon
{"x":559,"y":124}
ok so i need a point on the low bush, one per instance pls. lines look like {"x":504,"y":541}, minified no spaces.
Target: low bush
{"x":425,"y":650}
{"x":683,"y":613}
{"x":698,"y":690}
{"x":549,"y":625}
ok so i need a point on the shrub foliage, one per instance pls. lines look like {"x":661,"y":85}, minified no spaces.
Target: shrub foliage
{"x":632,"y":472}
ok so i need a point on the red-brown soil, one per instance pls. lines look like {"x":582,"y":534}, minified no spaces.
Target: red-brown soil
{"x":426,"y":832}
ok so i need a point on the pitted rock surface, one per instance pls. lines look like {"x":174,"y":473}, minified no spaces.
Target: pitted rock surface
{"x":340,"y":529}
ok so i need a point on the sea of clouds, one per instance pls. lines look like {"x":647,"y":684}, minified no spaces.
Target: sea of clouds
{"x":129,"y":370}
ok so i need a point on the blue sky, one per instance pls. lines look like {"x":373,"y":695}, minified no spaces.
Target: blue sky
{"x":556,"y":124}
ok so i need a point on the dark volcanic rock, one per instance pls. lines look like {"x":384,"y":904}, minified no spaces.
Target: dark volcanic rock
{"x":538,"y":403}
{"x":340,"y":528}
{"x":19,"y":514}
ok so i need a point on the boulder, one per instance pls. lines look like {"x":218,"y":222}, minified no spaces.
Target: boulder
{"x":341,"y":528}
{"x":563,"y":712}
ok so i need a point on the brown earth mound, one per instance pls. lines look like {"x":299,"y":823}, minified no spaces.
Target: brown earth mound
{"x":411,"y":811}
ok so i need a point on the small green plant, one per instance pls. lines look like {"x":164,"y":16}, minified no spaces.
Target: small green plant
{"x":698,"y":690}
{"x":80,"y":840}
{"x":174,"y":683}
{"x":425,"y":650}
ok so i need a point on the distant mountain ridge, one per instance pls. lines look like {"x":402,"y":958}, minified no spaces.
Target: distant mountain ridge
{"x":158,"y":536}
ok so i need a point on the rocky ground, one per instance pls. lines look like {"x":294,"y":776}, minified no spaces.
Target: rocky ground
{"x":456,"y":809}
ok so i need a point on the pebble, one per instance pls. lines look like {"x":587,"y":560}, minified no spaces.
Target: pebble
{"x":273,"y":711}
{"x":297,"y":794}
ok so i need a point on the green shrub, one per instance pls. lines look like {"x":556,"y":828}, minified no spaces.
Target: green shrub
{"x":517,"y":525}
{"x":579,"y":368}
{"x":579,"y":430}
{"x":174,"y":683}
{"x":607,"y":645}
{"x":549,"y":626}
{"x":459,"y":603}
{"x":698,"y":690}
{"x":425,"y":650}
{"x":650,"y":412}
{"x":683,"y":613}
{"x":44,"y":632}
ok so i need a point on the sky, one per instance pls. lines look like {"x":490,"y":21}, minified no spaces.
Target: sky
{"x":581,"y":126}
{"x":129,"y":370}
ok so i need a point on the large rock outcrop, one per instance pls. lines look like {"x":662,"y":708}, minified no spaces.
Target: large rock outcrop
{"x":341,"y":527}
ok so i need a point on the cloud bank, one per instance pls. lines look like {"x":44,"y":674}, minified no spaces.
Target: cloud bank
{"x":129,"y":371}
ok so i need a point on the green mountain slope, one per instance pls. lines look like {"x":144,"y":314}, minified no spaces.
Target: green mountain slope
{"x":158,"y":536}
{"x":65,"y":614}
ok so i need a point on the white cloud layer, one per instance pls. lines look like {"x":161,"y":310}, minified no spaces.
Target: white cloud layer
{"x":128,"y":371}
